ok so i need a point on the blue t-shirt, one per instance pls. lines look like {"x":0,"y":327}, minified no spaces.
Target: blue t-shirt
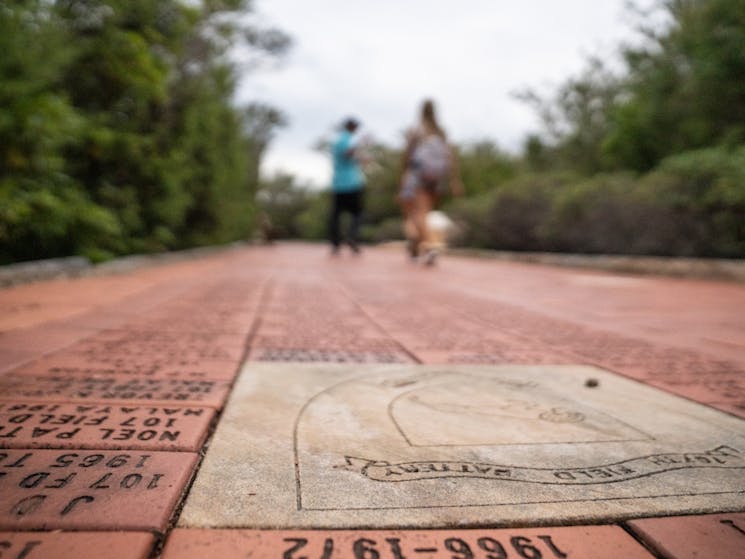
{"x":348,"y":175}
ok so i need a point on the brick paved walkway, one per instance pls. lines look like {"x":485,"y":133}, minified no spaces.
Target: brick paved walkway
{"x":110,"y":387}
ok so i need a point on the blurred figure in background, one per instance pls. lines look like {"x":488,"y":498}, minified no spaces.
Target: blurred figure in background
{"x":267,"y":232}
{"x":347,"y":187}
{"x":428,"y":168}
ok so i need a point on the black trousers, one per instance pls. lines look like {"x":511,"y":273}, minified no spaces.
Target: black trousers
{"x":345,"y":202}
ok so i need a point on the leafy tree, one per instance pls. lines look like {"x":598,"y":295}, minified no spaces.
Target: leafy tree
{"x":118,"y":131}
{"x":281,"y":201}
{"x":683,"y":88}
{"x":577,"y":120}
{"x":483,"y":166}
{"x":686,"y":84}
{"x":44,"y":211}
{"x":382,"y":176}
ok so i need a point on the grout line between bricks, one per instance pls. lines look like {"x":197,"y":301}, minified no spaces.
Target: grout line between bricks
{"x":161,"y":539}
{"x":363,"y":310}
{"x":642,"y":542}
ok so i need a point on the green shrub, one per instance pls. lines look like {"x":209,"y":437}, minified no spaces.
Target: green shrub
{"x":513,"y":216}
{"x":697,"y":202}
{"x":312,"y":223}
{"x":470,"y":215}
{"x":390,"y":229}
{"x":597,"y":215}
{"x":692,"y":204}
{"x":43,"y":221}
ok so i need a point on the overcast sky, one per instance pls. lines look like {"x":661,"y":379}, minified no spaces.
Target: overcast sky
{"x":377,"y":59}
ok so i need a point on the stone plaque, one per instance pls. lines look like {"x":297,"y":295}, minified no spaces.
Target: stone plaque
{"x":60,"y":425}
{"x":344,"y":446}
{"x":91,"y":490}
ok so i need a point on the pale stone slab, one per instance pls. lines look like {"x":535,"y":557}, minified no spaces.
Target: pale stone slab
{"x":387,"y":446}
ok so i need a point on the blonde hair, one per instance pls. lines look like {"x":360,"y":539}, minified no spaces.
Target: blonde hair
{"x":429,"y":119}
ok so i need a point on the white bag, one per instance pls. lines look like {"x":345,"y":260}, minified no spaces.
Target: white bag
{"x":440,"y":227}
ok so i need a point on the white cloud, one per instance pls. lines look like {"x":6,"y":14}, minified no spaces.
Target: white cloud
{"x":379,"y":59}
{"x":311,"y":167}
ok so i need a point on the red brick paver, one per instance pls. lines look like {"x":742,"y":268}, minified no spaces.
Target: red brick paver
{"x":586,"y":542}
{"x":75,"y":545}
{"x":64,"y":386}
{"x":91,"y":490}
{"x":96,"y":426}
{"x":130,"y":368}
{"x":694,"y":537}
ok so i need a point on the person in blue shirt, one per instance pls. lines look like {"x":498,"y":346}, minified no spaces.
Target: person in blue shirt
{"x":347,"y":186}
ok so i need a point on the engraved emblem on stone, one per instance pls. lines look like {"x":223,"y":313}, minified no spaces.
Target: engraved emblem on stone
{"x":721,"y":457}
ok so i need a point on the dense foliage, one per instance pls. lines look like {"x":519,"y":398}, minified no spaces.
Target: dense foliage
{"x":118,"y":134}
{"x":648,"y":160}
{"x":692,"y":204}
{"x":117,"y":129}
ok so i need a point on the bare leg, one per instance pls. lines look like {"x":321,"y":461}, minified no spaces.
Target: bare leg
{"x":423,"y":204}
{"x":410,"y":231}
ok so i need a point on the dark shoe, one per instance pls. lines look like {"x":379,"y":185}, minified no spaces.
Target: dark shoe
{"x":412,"y":247}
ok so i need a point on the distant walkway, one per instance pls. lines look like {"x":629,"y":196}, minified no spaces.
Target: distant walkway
{"x":119,"y":379}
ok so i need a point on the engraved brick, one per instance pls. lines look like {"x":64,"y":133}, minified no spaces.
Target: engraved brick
{"x":91,"y":490}
{"x":510,"y":356}
{"x":39,"y":340}
{"x":723,"y":388}
{"x":102,"y":426}
{"x":136,"y":365}
{"x":204,"y":345}
{"x":296,"y":355}
{"x":693,"y":537}
{"x":74,"y":545}
{"x":77,"y":388}
{"x":225,"y":322}
{"x":581,"y":542}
